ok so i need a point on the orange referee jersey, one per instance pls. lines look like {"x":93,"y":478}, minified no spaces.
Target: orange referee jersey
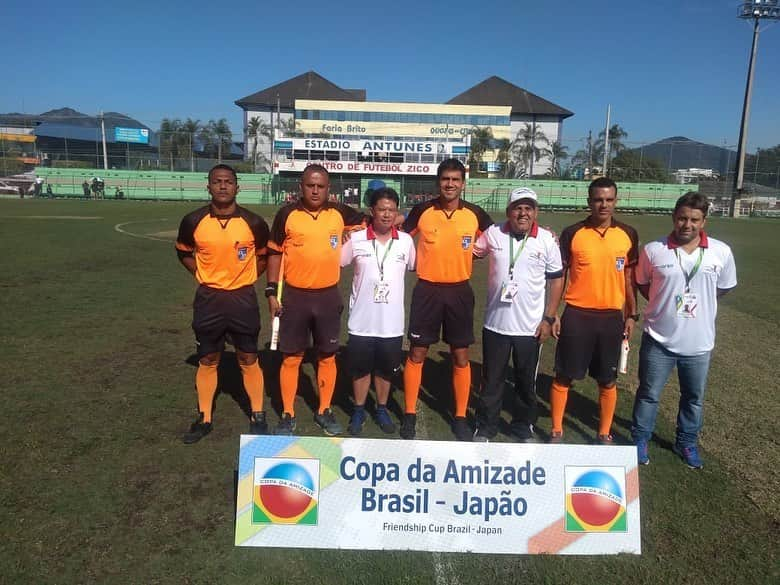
{"x":596,"y":260}
{"x":444,"y":248}
{"x":225,"y":247}
{"x":312,"y":242}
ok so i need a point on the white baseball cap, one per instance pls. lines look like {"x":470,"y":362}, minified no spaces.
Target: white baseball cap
{"x":523,"y":193}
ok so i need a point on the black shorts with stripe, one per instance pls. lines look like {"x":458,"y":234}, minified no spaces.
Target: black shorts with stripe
{"x":310,"y":314}
{"x":374,"y":355}
{"x":445,"y":308}
{"x":589,"y":344}
{"x":217,"y":312}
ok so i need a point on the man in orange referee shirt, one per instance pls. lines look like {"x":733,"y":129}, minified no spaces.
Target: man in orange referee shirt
{"x":224,"y":247}
{"x":308,"y":233}
{"x":599,"y":255}
{"x":443,"y":299}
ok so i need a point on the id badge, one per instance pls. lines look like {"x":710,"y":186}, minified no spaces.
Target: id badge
{"x":508,"y":292}
{"x":687,"y":305}
{"x":381,"y":292}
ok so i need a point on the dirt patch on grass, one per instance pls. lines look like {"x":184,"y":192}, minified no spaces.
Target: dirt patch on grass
{"x":167,"y":234}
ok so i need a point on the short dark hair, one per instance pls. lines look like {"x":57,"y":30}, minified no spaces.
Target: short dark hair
{"x":223,"y":167}
{"x":451,"y":164}
{"x":383,"y":193}
{"x":601,"y":183}
{"x":693,"y":200}
{"x":315,"y":168}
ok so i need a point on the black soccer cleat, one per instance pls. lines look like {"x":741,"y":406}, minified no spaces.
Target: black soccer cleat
{"x":258,"y":424}
{"x":198,"y":430}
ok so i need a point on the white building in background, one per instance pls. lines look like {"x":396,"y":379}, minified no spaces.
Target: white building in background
{"x":685,"y":176}
{"x":317,"y":108}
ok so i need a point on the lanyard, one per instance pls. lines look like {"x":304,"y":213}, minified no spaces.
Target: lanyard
{"x":381,"y":265}
{"x":689,"y":275}
{"x":512,"y":256}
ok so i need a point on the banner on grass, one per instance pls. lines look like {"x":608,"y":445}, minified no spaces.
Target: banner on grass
{"x":371,"y":494}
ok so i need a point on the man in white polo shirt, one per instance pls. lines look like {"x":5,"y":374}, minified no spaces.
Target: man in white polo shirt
{"x":682,"y":276}
{"x":380,"y":255}
{"x":524,"y":261}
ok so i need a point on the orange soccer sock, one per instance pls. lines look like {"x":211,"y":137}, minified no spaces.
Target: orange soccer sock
{"x":558,"y":395}
{"x":326,"y":380}
{"x":412,"y":381}
{"x":607,"y":403}
{"x":461,"y":384}
{"x":206,"y":385}
{"x":288,"y":380}
{"x":253,"y":384}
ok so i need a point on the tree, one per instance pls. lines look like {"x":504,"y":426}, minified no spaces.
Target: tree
{"x":252,"y":133}
{"x":617,"y":136}
{"x":169,"y":128}
{"x":556,"y":153}
{"x":764,"y":167}
{"x":216,"y":138}
{"x":481,"y":141}
{"x":629,"y":166}
{"x":528,"y":146}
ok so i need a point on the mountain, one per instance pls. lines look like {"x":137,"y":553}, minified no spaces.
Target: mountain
{"x":679,"y":152}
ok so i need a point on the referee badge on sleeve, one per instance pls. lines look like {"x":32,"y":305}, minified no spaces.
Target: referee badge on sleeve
{"x":334,"y":241}
{"x":620,"y":262}
{"x":465,"y":242}
{"x":242,"y":253}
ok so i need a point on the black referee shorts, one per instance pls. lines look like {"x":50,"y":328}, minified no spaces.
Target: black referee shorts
{"x":374,"y":355}
{"x":442,"y":307}
{"x":217,"y":312}
{"x":310,"y":313}
{"x":589,"y":343}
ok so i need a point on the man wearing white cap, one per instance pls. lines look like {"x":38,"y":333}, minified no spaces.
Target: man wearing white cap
{"x":524,"y":261}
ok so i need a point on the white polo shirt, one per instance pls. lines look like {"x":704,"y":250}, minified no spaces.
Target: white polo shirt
{"x":367,"y":317}
{"x":539,"y":259}
{"x":684,"y":324}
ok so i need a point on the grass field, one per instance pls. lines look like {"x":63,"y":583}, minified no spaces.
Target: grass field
{"x":97,"y":385}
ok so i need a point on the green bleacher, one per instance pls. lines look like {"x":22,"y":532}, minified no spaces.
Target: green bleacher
{"x":261,"y":189}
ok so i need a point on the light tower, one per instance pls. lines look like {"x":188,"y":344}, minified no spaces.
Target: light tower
{"x":755,"y":10}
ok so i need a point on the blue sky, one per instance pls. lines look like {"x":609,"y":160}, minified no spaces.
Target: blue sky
{"x":667,"y":67}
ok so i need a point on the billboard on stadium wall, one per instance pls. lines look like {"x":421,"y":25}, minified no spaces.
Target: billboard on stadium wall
{"x":370,"y":494}
{"x":372,"y":145}
{"x":395,"y":129}
{"x":366,"y":168}
{"x":135,"y":135}
{"x":399,"y":119}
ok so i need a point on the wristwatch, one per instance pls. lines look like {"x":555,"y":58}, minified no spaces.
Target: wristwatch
{"x":549,"y":319}
{"x":635,"y":317}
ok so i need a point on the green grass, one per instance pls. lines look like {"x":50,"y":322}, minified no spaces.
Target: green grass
{"x":97,"y":386}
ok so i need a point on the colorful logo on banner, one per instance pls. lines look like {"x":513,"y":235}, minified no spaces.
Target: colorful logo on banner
{"x":286,"y":491}
{"x":595,"y":499}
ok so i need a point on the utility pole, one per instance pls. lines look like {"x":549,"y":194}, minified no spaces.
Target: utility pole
{"x":590,"y":153}
{"x":103,"y":131}
{"x":606,"y":142}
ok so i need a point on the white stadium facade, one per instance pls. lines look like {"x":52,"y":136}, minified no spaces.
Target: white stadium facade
{"x":310,"y":119}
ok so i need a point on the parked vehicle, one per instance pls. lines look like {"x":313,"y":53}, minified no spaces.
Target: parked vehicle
{"x":7,"y":189}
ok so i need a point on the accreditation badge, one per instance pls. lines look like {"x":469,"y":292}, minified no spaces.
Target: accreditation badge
{"x":508,"y":292}
{"x":381,"y":292}
{"x":686,"y":304}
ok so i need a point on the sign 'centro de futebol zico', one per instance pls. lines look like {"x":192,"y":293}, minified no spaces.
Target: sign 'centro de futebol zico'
{"x":371,"y":494}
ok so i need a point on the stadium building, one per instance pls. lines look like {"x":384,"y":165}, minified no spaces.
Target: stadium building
{"x":310,"y":119}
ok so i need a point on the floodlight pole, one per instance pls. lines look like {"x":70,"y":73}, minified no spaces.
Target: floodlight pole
{"x":754,"y":10}
{"x":741,"y":145}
